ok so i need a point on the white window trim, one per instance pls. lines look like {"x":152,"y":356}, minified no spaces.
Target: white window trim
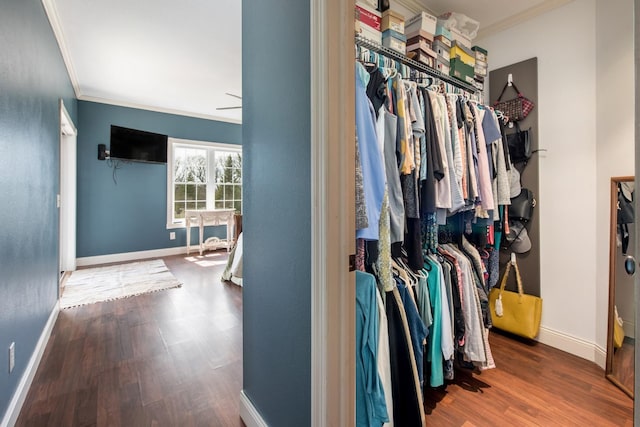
{"x":172,"y":142}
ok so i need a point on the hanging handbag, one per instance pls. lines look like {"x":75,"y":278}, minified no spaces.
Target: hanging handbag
{"x":519,"y":144}
{"x":515,"y":312}
{"x":521,"y":207}
{"x":515,"y":109}
{"x":625,"y":207}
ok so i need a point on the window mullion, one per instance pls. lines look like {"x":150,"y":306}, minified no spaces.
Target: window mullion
{"x":211,"y":178}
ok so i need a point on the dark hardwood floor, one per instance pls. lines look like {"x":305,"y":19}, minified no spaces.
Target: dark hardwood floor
{"x":174,"y":358}
{"x":170,"y":358}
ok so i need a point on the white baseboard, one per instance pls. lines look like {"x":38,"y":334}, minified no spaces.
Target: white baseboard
{"x":600,"y":356}
{"x":133,"y":256}
{"x":568,"y":343}
{"x":249,"y":413}
{"x":11,"y":416}
{"x":629,"y":329}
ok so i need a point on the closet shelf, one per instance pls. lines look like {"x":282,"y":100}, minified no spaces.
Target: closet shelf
{"x":390,"y":53}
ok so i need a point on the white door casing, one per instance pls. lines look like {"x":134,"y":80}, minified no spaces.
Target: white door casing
{"x":332,"y":213}
{"x":67,"y":196}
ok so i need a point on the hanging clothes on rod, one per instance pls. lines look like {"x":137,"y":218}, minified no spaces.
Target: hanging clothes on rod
{"x":433,"y":159}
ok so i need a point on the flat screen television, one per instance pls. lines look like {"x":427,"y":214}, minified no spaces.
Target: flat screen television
{"x":137,"y":145}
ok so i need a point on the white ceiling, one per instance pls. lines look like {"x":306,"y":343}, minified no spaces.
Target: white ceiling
{"x":166,"y":55}
{"x":183,"y":57}
{"x":493,"y":15}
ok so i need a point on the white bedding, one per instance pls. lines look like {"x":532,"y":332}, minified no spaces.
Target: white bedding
{"x":233,"y":271}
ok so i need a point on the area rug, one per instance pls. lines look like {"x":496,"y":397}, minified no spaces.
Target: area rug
{"x":91,"y":285}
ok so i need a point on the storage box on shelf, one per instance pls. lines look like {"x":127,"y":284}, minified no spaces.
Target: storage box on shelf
{"x":423,"y":57}
{"x":394,"y":40}
{"x":480,"y":53}
{"x":421,"y":43}
{"x":461,"y":71}
{"x":371,"y":4}
{"x":422,"y":21}
{"x":480,"y":68}
{"x":462,"y":53}
{"x":442,"y":50}
{"x":420,"y":50}
{"x":443,"y":67}
{"x":392,"y":20}
{"x":368,"y":22}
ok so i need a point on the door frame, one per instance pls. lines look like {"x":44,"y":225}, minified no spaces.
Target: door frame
{"x":636,"y":31}
{"x":332,"y":213}
{"x":66,"y":199}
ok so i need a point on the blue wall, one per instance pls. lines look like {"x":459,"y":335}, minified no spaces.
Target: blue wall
{"x":132,"y":214}
{"x":32,"y":80}
{"x":277,"y":210}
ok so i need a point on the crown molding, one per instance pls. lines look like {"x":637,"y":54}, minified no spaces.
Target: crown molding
{"x":54,"y":19}
{"x":521,"y":17}
{"x":157,"y":109}
{"x":414,"y":6}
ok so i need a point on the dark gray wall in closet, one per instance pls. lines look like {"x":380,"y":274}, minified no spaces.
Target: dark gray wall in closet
{"x":525,"y":76}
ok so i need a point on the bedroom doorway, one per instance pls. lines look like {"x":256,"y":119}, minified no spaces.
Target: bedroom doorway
{"x":66,"y":199}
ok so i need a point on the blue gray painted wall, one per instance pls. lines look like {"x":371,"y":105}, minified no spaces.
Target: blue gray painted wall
{"x":131,"y":215}
{"x":277,"y":210}
{"x":33,"y":78}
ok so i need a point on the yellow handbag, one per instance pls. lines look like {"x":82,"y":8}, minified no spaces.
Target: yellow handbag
{"x":618,"y":330}
{"x":515,"y":312}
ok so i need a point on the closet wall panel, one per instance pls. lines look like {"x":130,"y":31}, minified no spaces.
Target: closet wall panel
{"x":525,"y":76}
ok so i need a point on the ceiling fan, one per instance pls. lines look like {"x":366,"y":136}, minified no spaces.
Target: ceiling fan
{"x":230,"y":108}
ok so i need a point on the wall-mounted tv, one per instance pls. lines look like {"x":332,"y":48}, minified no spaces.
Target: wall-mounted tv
{"x":137,"y":145}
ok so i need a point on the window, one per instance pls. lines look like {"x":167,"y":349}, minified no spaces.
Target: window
{"x":202,"y":175}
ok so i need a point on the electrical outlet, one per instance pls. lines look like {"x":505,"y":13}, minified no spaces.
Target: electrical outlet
{"x":172,"y":235}
{"x":12,"y":356}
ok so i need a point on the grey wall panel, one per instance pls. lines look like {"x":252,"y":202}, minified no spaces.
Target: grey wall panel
{"x":525,"y":76}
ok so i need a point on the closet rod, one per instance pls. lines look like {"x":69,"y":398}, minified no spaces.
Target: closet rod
{"x":390,"y":53}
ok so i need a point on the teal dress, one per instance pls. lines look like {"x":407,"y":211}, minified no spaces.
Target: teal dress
{"x":371,"y":407}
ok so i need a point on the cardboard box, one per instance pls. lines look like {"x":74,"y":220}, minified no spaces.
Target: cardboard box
{"x":371,"y":4}
{"x":443,"y":67}
{"x":420,"y":42}
{"x":422,"y":21}
{"x":442,"y":50}
{"x":465,"y":55}
{"x":442,"y":39}
{"x":419,"y":33}
{"x":442,"y":31}
{"x":395,"y":44}
{"x":480,"y":69}
{"x":394,"y":34}
{"x":392,"y":20}
{"x":461,"y":71}
{"x":369,"y":33}
{"x":478,"y":84}
{"x":422,"y":47}
{"x":420,"y":56}
{"x":369,"y":16}
{"x":481,"y":54}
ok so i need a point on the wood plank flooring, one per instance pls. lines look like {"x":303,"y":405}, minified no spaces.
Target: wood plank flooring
{"x":623,"y":363}
{"x":174,"y":358}
{"x":170,"y":358}
{"x":533,"y":385}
